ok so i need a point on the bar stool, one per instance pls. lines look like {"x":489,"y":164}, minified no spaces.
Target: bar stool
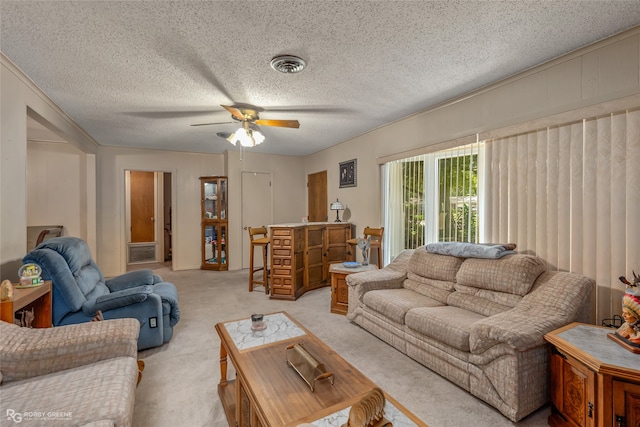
{"x":264,"y":243}
{"x":376,"y":242}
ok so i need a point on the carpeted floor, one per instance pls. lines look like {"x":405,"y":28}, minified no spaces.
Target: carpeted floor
{"x":179,"y":384}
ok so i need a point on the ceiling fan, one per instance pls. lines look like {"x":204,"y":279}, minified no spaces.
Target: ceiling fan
{"x":249,"y":134}
{"x":249,"y":113}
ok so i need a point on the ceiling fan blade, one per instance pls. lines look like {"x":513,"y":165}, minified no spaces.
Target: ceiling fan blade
{"x":234,"y":112}
{"x":208,"y":124}
{"x":279,"y":123}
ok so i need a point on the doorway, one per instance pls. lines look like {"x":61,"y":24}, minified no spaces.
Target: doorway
{"x":148,"y":217}
{"x":317,"y":196}
{"x":257,"y":209}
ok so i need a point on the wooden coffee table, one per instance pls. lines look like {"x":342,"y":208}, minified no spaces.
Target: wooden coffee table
{"x":268,"y":392}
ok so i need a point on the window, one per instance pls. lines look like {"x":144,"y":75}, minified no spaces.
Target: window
{"x":430,"y":198}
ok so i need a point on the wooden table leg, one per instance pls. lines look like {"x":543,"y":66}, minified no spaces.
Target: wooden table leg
{"x":223,"y":364}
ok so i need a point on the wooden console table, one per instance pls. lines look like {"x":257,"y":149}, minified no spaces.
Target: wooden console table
{"x":301,"y":254}
{"x":38,"y":298}
{"x":594,"y":381}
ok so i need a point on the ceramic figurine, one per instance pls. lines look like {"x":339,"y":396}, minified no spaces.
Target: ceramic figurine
{"x":6,"y":291}
{"x":630,"y":329}
{"x":364,"y":245}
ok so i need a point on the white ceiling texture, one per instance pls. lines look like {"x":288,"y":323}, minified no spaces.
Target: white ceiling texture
{"x":139,"y":73}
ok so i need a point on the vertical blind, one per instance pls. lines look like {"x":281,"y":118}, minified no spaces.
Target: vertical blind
{"x":571,"y":195}
{"x":431,"y":197}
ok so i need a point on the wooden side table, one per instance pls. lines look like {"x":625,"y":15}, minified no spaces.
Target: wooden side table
{"x":38,"y":298}
{"x":594,"y":381}
{"x":339,"y":288}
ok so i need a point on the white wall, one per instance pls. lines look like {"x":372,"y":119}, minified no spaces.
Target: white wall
{"x":288,"y":187}
{"x":54,"y":186}
{"x":17,"y":94}
{"x":185,"y":169}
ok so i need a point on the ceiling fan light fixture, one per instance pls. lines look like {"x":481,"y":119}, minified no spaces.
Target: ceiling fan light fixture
{"x":246,"y":137}
{"x":288,"y":64}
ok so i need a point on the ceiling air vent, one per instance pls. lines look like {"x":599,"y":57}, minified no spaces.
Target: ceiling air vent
{"x":288,"y":64}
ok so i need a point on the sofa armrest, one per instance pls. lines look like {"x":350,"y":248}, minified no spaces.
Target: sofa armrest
{"x":361,"y":283}
{"x":519,"y":329}
{"x":132,"y":279}
{"x":557,"y":299}
{"x":117,"y":299}
{"x":27,"y":353}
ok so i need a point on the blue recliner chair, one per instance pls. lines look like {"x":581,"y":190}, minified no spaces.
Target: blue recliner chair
{"x":80,"y":290}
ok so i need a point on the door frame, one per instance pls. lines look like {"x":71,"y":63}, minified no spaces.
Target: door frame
{"x":160,"y":202}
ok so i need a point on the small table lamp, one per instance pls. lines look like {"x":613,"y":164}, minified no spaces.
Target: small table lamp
{"x":337,"y":206}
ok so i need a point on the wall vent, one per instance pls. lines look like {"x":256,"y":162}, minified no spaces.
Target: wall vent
{"x":141,"y":253}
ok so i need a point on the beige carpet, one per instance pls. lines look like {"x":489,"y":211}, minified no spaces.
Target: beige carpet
{"x":179,"y":384}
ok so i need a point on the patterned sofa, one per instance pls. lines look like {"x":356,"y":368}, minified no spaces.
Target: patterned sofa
{"x":75,"y":375}
{"x":480,"y":323}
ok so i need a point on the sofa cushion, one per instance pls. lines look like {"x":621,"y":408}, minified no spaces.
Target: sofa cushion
{"x":104,"y":390}
{"x":514,"y":274}
{"x":432,"y":275}
{"x":436,"y":289}
{"x":394,"y":303}
{"x":434,"y":266}
{"x":447,"y":324}
{"x":482,"y":302}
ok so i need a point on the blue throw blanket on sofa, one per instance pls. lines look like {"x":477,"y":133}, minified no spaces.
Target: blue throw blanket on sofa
{"x":469,"y":250}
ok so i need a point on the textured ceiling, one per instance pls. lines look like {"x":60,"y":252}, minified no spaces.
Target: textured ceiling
{"x":139,"y":73}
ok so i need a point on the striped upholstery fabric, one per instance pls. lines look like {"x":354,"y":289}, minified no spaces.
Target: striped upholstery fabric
{"x":395,"y":303}
{"x":78,"y":375}
{"x":478,"y":322}
{"x":447,"y":324}
{"x":28,"y":352}
{"x":102,"y":391}
{"x":514,"y":274}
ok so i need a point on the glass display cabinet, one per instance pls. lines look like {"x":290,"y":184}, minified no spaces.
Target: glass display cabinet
{"x":214,"y":223}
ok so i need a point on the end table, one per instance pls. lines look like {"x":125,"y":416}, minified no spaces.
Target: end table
{"x":594,"y":381}
{"x":339,"y":288}
{"x":36,"y":297}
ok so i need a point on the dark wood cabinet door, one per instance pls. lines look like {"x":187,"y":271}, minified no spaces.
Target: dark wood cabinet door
{"x":626,"y":404}
{"x":572,"y":393}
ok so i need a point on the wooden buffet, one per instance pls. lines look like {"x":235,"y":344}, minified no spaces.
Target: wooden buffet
{"x":302,"y":253}
{"x":594,"y":381}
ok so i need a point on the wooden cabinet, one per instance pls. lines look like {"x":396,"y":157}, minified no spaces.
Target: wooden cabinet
{"x":302,"y":253}
{"x":36,"y":298}
{"x":594,"y":381}
{"x":339,"y":287}
{"x":214,"y":223}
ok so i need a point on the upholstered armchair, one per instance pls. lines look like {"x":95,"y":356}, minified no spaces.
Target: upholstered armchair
{"x":80,"y":290}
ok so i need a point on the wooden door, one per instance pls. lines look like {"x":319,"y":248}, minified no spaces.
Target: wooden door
{"x":142,"y":195}
{"x":317,"y":196}
{"x":257,"y":210}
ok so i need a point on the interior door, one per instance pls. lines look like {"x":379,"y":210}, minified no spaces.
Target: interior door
{"x":143,"y":204}
{"x":257,"y":210}
{"x":317,"y":196}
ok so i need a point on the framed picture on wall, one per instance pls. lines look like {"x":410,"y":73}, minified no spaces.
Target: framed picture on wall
{"x":348,"y":173}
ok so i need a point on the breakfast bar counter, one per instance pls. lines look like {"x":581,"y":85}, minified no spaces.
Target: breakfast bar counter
{"x":301,"y":254}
